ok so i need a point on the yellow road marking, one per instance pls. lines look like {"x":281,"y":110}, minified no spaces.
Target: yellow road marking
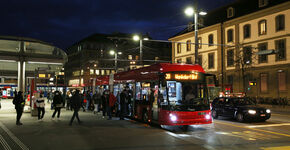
{"x":272,"y":132}
{"x":270,"y":125}
{"x":276,"y":148}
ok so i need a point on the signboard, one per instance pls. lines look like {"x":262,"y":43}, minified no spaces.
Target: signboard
{"x":41,"y":75}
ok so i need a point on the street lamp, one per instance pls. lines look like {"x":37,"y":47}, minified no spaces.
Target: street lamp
{"x":112,"y":52}
{"x":137,"y":38}
{"x":190,"y":12}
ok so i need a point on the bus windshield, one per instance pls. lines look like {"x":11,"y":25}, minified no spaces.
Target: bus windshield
{"x":187,"y":96}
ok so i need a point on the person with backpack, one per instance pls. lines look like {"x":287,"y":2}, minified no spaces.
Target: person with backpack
{"x":19,"y":102}
{"x":97,"y":99}
{"x":57,"y":104}
{"x":40,"y":104}
{"x":76,"y":103}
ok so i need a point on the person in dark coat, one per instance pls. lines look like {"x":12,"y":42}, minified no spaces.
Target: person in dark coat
{"x":76,"y":103}
{"x":19,"y":102}
{"x":97,"y":99}
{"x":105,"y":99}
{"x":123,"y":97}
{"x":57,"y":103}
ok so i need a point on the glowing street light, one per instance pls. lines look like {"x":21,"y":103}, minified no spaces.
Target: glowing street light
{"x":191,"y":12}
{"x":112,"y":52}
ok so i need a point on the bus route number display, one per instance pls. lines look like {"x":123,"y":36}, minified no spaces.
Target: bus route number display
{"x":192,"y":76}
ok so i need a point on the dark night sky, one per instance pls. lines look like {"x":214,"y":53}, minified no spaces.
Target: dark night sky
{"x":63,"y":22}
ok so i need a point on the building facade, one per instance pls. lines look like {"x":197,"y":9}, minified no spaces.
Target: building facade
{"x":230,"y":43}
{"x":90,"y":58}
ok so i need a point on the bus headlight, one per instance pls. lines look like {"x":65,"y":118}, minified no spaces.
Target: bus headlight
{"x":172,"y":117}
{"x":207,"y":117}
{"x":268,"y":111}
{"x":252,"y":112}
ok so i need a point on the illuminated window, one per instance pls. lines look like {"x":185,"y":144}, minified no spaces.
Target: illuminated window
{"x":264,"y":82}
{"x":247,"y":31}
{"x":262,"y":47}
{"x":230,"y":35}
{"x":280,"y":22}
{"x":91,"y":71}
{"x":82,"y":72}
{"x":262,"y":27}
{"x":178,"y":61}
{"x":179,"y":48}
{"x":97,"y":72}
{"x":107,"y":72}
{"x":188,"y":45}
{"x":282,"y":81}
{"x":280,"y":46}
{"x":210,"y":40}
{"x":102,"y":72}
{"x":210,"y":60}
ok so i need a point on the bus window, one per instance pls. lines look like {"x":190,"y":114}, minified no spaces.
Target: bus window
{"x":174,"y":91}
{"x":138,"y":89}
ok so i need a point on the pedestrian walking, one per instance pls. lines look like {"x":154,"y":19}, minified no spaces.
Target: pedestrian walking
{"x":68,"y":100}
{"x":40,"y":104}
{"x":57,"y":104}
{"x":97,"y":101}
{"x":76,"y":103}
{"x":19,"y":102}
{"x":105,"y":99}
{"x":88,"y":98}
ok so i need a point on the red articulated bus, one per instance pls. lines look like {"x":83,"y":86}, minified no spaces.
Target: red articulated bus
{"x":167,"y":94}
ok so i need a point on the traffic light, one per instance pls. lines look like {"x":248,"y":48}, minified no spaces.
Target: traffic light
{"x":252,"y":83}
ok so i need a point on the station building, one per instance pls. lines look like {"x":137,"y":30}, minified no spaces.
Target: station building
{"x":28,"y":64}
{"x":229,"y":39}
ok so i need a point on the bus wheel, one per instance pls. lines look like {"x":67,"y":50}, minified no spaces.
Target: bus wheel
{"x":214,"y":114}
{"x":184,"y":128}
{"x":145,"y":117}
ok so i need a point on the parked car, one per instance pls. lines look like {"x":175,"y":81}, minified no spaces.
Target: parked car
{"x":240,"y":108}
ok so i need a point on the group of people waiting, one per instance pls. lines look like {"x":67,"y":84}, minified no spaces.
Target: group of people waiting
{"x":106,"y":102}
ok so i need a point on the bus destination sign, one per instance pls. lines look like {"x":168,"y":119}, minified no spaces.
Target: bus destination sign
{"x":192,"y":76}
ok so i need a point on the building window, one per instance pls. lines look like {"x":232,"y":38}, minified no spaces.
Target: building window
{"x":199,"y":42}
{"x":199,"y":59}
{"x":262,"y":27}
{"x":282,"y":81}
{"x":263,"y":3}
{"x":188,"y":45}
{"x":280,"y":46}
{"x":103,"y":72}
{"x":247,"y":31}
{"x":230,"y":58}
{"x":210,"y":40}
{"x":178,"y":60}
{"x":108,"y":72}
{"x":247,"y":55}
{"x":264,"y":82}
{"x":188,"y":60}
{"x":97,"y":72}
{"x":262,"y":47}
{"x":82,"y":72}
{"x":280,"y":22}
{"x":230,"y":35}
{"x":230,"y":12}
{"x":91,"y":71}
{"x":210,"y":60}
{"x":178,"y":48}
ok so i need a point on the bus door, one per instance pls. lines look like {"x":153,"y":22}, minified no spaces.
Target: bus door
{"x":155,"y":110}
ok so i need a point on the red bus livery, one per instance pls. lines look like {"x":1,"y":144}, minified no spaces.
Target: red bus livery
{"x":167,"y":94}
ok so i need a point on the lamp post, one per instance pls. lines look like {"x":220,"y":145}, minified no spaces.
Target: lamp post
{"x":112,"y":52}
{"x":137,"y":38}
{"x":190,"y":12}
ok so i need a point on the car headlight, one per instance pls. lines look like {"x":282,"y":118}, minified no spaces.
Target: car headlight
{"x":252,"y":112}
{"x":172,"y":117}
{"x":268,"y":111}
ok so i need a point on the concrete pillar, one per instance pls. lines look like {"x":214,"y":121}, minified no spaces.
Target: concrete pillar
{"x":21,"y":76}
{"x":3,"y":80}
